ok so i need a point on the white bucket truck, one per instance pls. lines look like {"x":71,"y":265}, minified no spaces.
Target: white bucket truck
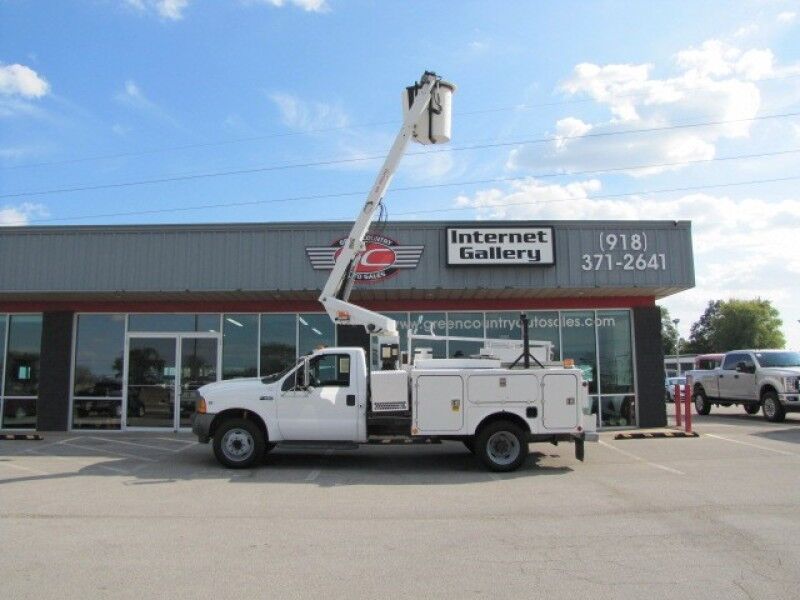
{"x":496,"y":402}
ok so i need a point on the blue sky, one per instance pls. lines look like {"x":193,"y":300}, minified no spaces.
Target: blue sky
{"x":100,"y":92}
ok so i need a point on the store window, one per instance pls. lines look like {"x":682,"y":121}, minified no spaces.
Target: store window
{"x":578,"y":337}
{"x":239,"y":346}
{"x":503,"y":326}
{"x":22,"y":371}
{"x":278,"y":342}
{"x":97,"y":385}
{"x":429,"y":324}
{"x":463,"y":324}
{"x":168,"y":322}
{"x":315,"y":331}
{"x":543,"y":327}
{"x":616,"y":368}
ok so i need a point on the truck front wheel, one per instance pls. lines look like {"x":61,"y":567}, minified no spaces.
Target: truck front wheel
{"x":701,"y":403}
{"x":773,"y":410}
{"x":502,"y":446}
{"x":239,"y":443}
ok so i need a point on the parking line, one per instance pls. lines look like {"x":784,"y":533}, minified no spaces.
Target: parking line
{"x":104,"y":450}
{"x":112,"y":441}
{"x":775,"y":450}
{"x":642,"y":460}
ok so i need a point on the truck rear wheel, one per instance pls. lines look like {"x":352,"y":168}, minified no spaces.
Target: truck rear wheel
{"x":773,"y":409}
{"x":701,"y":403}
{"x":239,"y":444}
{"x":502,"y":446}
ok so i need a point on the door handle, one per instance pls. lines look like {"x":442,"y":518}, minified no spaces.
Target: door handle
{"x":351,"y":399}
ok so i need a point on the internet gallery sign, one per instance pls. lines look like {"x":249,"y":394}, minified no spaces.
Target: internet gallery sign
{"x":500,"y":246}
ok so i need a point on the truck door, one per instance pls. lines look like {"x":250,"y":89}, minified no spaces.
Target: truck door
{"x":728,"y":377}
{"x":560,"y":404}
{"x":744,"y":380}
{"x":328,"y":410}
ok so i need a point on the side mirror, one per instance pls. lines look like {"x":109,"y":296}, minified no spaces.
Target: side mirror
{"x":306,"y":374}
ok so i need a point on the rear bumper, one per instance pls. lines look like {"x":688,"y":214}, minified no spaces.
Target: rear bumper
{"x":201,"y":426}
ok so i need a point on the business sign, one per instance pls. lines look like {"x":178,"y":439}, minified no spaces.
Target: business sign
{"x":382,"y":257}
{"x":500,"y":246}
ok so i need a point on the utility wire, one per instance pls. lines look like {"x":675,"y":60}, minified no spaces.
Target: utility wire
{"x":517,"y":107}
{"x":435,"y":186}
{"x":267,"y":168}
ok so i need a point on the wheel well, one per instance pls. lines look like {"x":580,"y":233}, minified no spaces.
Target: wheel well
{"x":503,"y":416}
{"x":238,"y":413}
{"x":767,"y":388}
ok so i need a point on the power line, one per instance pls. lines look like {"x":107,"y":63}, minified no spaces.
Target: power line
{"x":330,"y":162}
{"x":275,"y":135}
{"x":418,"y":187}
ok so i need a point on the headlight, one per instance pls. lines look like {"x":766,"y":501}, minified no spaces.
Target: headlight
{"x":200,"y":405}
{"x":790,"y":384}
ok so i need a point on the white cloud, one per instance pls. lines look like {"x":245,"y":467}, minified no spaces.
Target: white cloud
{"x":714,"y":82}
{"x":11,"y":216}
{"x":787,"y":16}
{"x":308,"y":116}
{"x":171,"y":10}
{"x":19,"y":80}
{"x":306,"y":5}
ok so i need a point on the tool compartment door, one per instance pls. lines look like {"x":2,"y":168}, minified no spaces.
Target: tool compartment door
{"x":439,"y":403}
{"x":560,"y":401}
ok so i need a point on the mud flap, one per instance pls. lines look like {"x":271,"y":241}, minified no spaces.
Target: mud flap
{"x":579,"y":452}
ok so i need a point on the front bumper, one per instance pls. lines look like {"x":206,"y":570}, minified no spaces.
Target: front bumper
{"x":790,"y":402}
{"x":201,"y":426}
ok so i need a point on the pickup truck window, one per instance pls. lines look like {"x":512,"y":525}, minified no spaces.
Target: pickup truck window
{"x":731,"y":360}
{"x":778,"y":359}
{"x":331,"y":370}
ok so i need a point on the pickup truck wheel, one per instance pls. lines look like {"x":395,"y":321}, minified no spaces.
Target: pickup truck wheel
{"x":238,"y":444}
{"x":502,"y":446}
{"x":773,"y":410}
{"x":470,"y":445}
{"x":752,"y":408}
{"x":701,"y":403}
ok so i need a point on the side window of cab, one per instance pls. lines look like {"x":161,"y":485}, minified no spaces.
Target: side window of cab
{"x":330,"y":370}
{"x":294,"y":380}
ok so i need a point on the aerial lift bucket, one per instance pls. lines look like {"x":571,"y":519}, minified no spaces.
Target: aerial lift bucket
{"x":435,"y":124}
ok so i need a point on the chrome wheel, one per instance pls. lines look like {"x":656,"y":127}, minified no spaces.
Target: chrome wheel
{"x":237,"y":444}
{"x":769,"y":408}
{"x":503,"y":448}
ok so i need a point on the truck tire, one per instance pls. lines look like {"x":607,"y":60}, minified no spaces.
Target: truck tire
{"x":502,"y":446}
{"x":701,"y":403}
{"x":752,"y":408}
{"x":239,"y":444}
{"x":773,"y":409}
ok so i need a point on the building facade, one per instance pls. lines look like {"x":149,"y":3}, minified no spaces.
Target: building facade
{"x":114,"y":327}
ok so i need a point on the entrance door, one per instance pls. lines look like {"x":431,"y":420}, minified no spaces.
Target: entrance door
{"x":163,"y":374}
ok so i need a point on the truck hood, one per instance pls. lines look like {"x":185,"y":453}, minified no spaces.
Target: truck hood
{"x":780,"y":371}
{"x":230,"y":388}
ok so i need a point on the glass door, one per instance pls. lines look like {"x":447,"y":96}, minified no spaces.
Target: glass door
{"x":150,"y":384}
{"x":163,"y":375}
{"x":198,"y":367}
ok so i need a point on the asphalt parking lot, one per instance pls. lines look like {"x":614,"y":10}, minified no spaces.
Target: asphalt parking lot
{"x":153,"y":515}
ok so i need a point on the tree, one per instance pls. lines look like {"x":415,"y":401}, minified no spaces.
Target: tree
{"x":669,"y":333}
{"x":747,"y":324}
{"x":735,"y":324}
{"x":700,"y":333}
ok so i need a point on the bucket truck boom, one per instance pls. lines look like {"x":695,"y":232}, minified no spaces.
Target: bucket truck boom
{"x":427,"y":120}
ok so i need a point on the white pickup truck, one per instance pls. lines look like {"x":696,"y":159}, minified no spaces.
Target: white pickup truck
{"x":331,"y":400}
{"x":752,"y":378}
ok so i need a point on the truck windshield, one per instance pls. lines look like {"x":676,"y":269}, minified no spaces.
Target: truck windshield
{"x":778,"y":359}
{"x":273,"y":377}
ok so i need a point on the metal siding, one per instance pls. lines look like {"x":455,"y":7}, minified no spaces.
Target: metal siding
{"x":262,"y":257}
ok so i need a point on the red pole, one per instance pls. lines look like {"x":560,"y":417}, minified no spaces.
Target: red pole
{"x":688,"y":399}
{"x":678,"y":404}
